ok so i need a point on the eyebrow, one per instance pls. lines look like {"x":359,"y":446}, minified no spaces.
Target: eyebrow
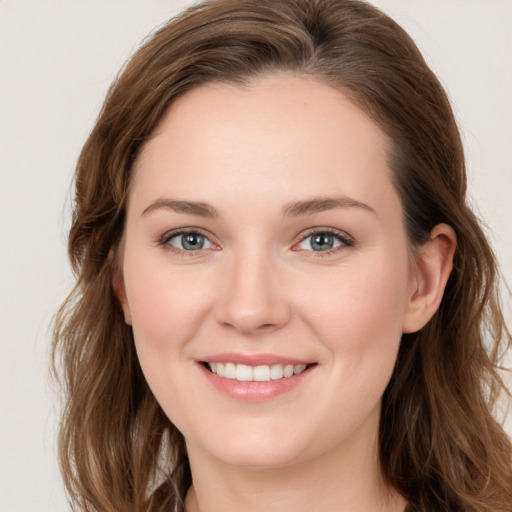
{"x":189,"y":207}
{"x":296,"y":209}
{"x":321,"y":204}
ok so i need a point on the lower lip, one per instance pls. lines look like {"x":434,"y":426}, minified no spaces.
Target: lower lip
{"x":255,"y":391}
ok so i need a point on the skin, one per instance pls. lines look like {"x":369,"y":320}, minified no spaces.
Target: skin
{"x":257,"y":286}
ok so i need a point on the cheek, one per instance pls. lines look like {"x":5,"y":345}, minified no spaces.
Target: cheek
{"x":376,"y":302}
{"x":360,"y":325}
{"x":167,"y":309}
{"x":358,"y":313}
{"x":165,"y":305}
{"x":152,"y":307}
{"x":365,"y":297}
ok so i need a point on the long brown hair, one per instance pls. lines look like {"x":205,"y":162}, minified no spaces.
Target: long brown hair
{"x":440,"y":445}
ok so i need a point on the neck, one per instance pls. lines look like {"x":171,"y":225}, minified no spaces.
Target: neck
{"x":346,"y":478}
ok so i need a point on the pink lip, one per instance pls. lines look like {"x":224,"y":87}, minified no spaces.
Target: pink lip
{"x":253,"y":359}
{"x":254,"y":391}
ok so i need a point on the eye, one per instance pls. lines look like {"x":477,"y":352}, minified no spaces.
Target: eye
{"x":187,"y":241}
{"x":324,"y":241}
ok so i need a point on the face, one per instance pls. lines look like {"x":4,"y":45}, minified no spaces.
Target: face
{"x":265,"y":270}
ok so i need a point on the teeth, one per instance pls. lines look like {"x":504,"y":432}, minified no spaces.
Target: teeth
{"x":261,"y":373}
{"x":220,"y":370}
{"x":243,"y":373}
{"x":298,"y":368}
{"x":230,"y":371}
{"x":264,"y":373}
{"x":288,"y":370}
{"x":276,"y":371}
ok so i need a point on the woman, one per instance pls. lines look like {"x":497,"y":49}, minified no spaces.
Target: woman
{"x":282,"y":296}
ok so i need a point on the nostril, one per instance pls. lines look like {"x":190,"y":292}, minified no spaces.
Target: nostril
{"x":266,"y":327}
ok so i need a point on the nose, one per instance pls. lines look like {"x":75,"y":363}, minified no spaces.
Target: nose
{"x":253,"y":298}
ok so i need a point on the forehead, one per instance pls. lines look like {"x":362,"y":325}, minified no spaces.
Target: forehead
{"x":281,"y":134}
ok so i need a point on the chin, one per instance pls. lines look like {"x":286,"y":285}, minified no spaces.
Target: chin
{"x":259,"y":450}
{"x":260,"y":457}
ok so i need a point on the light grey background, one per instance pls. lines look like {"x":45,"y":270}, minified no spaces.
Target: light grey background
{"x":57,"y":59}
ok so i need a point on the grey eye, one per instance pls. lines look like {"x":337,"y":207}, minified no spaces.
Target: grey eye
{"x":190,"y":241}
{"x":321,"y":241}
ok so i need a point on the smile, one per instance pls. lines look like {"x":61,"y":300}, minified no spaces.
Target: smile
{"x":262,"y":373}
{"x":255,"y":377}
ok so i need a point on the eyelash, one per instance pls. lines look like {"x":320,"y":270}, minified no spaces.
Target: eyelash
{"x":345,"y":240}
{"x":164,"y":241}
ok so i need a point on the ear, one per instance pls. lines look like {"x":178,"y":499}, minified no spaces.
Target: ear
{"x":434,"y":261}
{"x":118,"y":284}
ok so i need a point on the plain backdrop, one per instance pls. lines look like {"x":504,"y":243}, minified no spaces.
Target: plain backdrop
{"x":57,"y":59}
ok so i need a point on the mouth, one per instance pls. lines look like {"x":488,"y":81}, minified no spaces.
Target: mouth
{"x":255,"y":377}
{"x":260,"y":373}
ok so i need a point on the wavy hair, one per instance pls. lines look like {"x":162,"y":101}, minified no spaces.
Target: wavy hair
{"x":440,"y":445}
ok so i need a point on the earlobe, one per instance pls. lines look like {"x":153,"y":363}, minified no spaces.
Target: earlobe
{"x":118,"y":286}
{"x":433,"y":266}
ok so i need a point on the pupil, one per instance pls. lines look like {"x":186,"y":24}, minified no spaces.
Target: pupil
{"x":323,"y":242}
{"x":193,"y":241}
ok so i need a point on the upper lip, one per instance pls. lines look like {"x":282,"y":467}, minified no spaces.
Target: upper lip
{"x":253,"y":359}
